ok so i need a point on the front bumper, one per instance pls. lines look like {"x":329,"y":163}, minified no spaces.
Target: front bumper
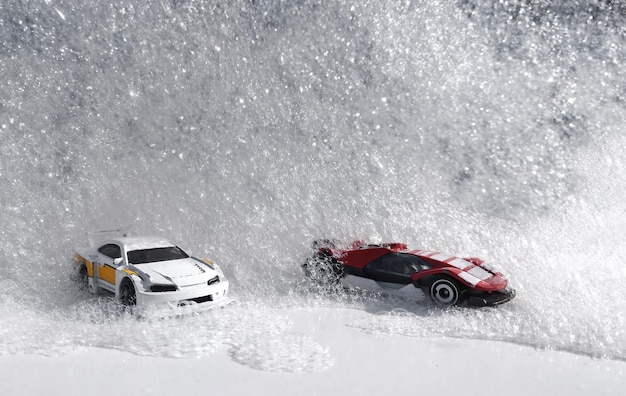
{"x":199,"y":294}
{"x":477,"y":298}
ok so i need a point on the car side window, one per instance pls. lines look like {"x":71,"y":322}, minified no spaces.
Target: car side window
{"x":394,"y":267}
{"x":111,"y":250}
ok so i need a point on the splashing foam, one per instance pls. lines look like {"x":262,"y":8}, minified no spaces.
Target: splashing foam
{"x":242,"y":134}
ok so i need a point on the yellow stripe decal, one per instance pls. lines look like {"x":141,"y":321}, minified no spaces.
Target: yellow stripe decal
{"x":107,"y":273}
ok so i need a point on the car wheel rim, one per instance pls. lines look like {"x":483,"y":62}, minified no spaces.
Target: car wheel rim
{"x":444,"y":293}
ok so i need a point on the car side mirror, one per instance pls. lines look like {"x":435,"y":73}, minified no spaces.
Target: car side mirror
{"x":117,"y":261}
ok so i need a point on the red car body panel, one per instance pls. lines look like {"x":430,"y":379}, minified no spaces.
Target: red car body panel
{"x":470,"y":271}
{"x":359,"y":254}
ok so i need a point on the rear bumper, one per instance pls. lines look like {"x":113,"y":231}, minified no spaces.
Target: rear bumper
{"x":489,"y":299}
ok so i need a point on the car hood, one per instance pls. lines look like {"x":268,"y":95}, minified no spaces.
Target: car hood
{"x":182,"y":272}
{"x":475,"y":275}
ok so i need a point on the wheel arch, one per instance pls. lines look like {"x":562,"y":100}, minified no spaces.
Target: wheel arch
{"x":449,"y":273}
{"x":425,"y":284}
{"x":80,"y":261}
{"x":320,"y":260}
{"x":445,"y":282}
{"x":126,"y":278}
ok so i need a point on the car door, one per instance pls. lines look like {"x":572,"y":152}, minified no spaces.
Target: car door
{"x":389,"y":268}
{"x":106,"y":264}
{"x":390,"y":273}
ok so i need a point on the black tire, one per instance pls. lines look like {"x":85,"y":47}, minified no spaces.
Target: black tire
{"x":323,"y":269}
{"x":79,"y":277}
{"x":128,"y":296}
{"x":446,"y":292}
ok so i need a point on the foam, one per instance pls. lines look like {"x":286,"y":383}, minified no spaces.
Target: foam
{"x":243,"y":135}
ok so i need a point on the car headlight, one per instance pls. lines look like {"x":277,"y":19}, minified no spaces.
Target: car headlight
{"x":157,"y":288}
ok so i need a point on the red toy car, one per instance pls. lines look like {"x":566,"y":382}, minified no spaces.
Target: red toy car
{"x":393,"y":268}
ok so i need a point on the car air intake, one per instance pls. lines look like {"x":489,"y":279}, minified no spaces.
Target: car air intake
{"x":213,"y":280}
{"x":200,"y":300}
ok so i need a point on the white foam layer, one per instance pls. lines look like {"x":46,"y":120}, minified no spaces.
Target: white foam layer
{"x":243,"y":131}
{"x":362,"y":364}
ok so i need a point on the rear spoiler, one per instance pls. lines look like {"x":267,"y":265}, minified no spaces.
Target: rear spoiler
{"x":97,"y":236}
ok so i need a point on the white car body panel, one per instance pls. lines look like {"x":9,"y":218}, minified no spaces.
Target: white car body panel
{"x":190,"y":275}
{"x":371,"y":285}
{"x":184,"y":272}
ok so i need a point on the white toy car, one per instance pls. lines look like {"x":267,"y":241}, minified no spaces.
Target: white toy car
{"x":148,"y":270}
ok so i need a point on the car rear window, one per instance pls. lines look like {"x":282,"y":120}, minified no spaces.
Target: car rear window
{"x":157,"y":254}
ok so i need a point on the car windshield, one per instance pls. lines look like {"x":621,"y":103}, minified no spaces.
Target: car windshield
{"x":404,"y":263}
{"x":157,"y":254}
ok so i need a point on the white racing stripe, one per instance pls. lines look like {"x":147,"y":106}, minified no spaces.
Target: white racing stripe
{"x":441,"y":257}
{"x":479,"y":273}
{"x":469,"y":278}
{"x":472,"y":276}
{"x":459,"y":263}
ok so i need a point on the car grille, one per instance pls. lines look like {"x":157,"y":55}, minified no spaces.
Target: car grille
{"x":202,"y":299}
{"x":213,"y":280}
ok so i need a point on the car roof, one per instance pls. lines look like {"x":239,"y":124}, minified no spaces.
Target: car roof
{"x":140,"y":242}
